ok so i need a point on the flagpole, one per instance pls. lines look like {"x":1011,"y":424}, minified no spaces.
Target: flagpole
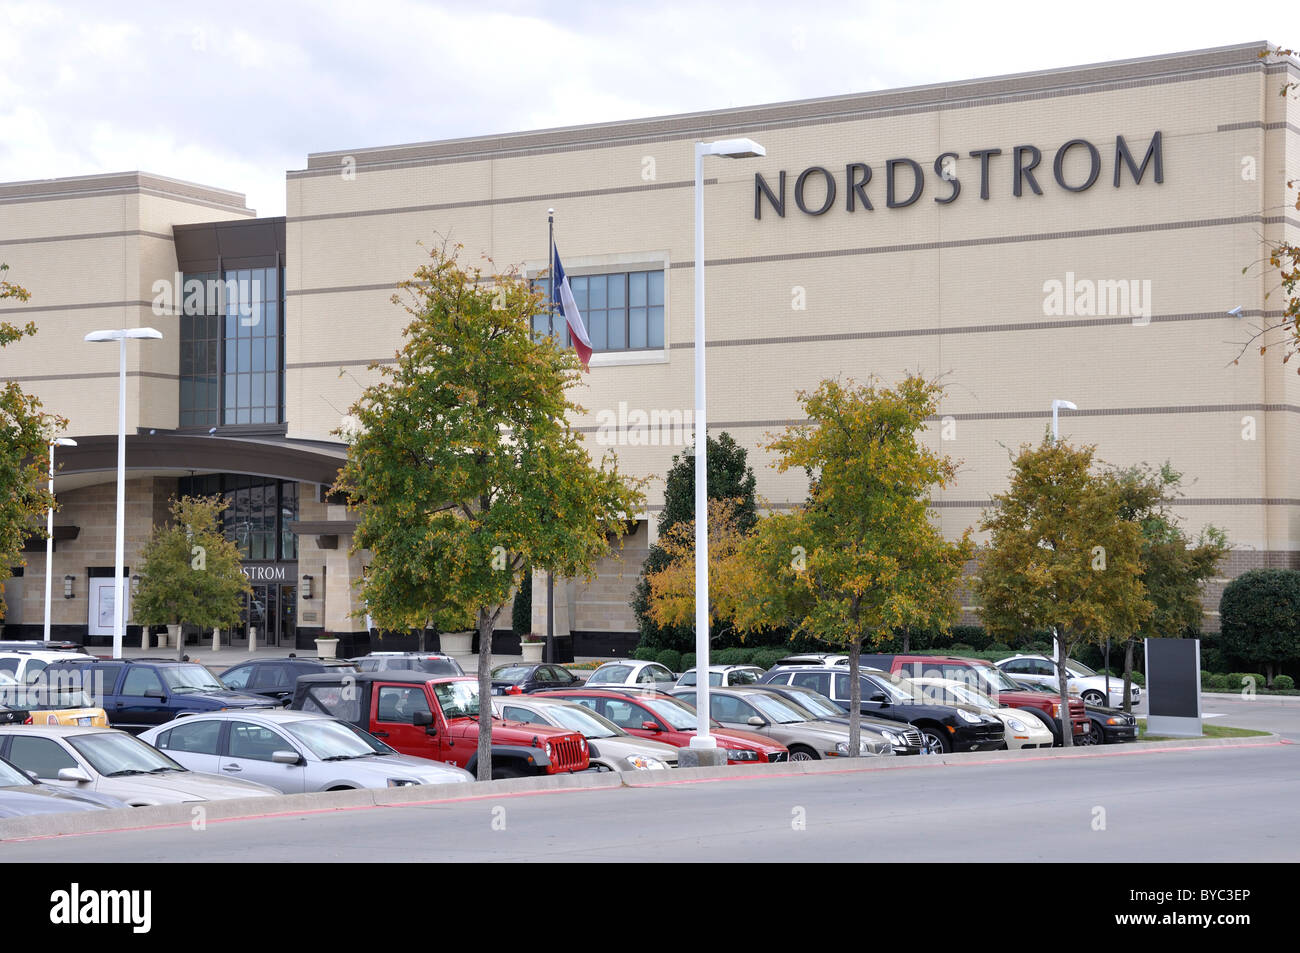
{"x":550,"y":577}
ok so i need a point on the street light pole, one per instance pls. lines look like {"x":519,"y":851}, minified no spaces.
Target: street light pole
{"x":119,"y":576}
{"x":731,"y":149}
{"x":49,"y":531}
{"x":1056,"y":406}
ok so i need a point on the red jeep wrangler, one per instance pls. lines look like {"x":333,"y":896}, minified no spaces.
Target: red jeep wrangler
{"x":436,"y":717}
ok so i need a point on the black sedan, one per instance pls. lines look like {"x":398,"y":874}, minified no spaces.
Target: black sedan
{"x":523,"y":678}
{"x":1108,"y":726}
{"x":907,"y":740}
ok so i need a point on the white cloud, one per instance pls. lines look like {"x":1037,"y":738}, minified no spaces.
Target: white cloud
{"x":235,"y":95}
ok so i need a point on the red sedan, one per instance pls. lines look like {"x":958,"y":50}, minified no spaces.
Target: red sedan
{"x":664,"y":718}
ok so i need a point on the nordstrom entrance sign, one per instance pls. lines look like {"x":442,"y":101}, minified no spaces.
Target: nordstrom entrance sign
{"x":1076,"y":167}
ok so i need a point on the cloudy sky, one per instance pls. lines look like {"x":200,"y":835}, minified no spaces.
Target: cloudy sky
{"x":235,"y":93}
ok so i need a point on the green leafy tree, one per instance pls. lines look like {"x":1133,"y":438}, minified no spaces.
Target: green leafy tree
{"x":25,"y":434}
{"x":1259,"y":618}
{"x":1061,"y":556}
{"x":730,"y":477}
{"x":191,"y":573}
{"x":862,"y":556}
{"x":464,"y":468}
{"x":521,"y":611}
{"x":1174,"y":566}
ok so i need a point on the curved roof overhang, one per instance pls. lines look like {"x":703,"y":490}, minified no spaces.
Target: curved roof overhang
{"x":306,"y":462}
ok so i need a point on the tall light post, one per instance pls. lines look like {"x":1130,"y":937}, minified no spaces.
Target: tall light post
{"x":121,"y":336}
{"x":1056,"y":406}
{"x":49,"y":531}
{"x":730,"y":149}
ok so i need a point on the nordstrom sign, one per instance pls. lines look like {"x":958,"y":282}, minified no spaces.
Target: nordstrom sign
{"x":1076,"y":167}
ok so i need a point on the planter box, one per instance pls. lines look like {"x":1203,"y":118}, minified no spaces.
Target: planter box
{"x":456,"y":643}
{"x":532,"y":651}
{"x":326,"y":648}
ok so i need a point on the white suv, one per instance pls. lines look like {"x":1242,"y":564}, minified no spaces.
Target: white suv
{"x":26,"y":665}
{"x":1040,"y":670}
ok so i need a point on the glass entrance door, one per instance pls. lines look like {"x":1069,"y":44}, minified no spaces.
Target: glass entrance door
{"x":272,"y":609}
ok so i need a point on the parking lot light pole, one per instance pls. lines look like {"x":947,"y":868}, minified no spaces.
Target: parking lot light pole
{"x":49,"y":531}
{"x":1056,"y":406}
{"x":730,"y":149}
{"x":121,"y":336}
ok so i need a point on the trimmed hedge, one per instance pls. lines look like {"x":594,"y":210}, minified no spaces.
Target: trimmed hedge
{"x":688,"y":661}
{"x":644,"y":653}
{"x":670,"y":659}
{"x":1284,"y":683}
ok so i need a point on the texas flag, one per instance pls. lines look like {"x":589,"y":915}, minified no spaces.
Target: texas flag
{"x":563,"y":303}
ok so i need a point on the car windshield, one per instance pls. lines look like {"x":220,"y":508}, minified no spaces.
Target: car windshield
{"x":511,"y":673}
{"x":1079,"y":670}
{"x":11,"y":777}
{"x":610,"y":675}
{"x":688,"y":678}
{"x":588,"y":723}
{"x":457,"y":699}
{"x":189,"y":678}
{"x":944,"y":693}
{"x":777,"y":710}
{"x":815,"y":703}
{"x":680,"y":716}
{"x":900,"y":689}
{"x":116,"y":753}
{"x":327,"y":739}
{"x":993,"y":679}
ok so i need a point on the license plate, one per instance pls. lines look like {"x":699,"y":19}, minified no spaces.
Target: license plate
{"x":84,"y":721}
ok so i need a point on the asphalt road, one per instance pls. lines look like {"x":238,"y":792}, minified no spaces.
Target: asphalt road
{"x":1200,"y":804}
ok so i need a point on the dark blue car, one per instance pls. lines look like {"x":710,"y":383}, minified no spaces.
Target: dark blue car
{"x":137,"y":694}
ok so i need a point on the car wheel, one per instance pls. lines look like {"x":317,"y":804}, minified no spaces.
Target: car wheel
{"x":935,"y":742}
{"x":800,"y":753}
{"x":1094,"y":698}
{"x":1096,"y":735}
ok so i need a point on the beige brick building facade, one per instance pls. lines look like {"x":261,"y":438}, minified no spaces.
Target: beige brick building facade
{"x":1076,"y":234}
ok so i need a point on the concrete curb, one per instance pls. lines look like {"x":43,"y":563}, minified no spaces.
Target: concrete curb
{"x":186,"y":815}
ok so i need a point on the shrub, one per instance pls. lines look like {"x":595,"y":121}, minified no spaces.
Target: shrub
{"x":521,"y":613}
{"x":731,"y":656}
{"x":1001,"y":648}
{"x":1284,"y":683}
{"x":1219,"y":683}
{"x":670,"y":659}
{"x":644,"y":653}
{"x":688,"y":661}
{"x":1259,"y":617}
{"x":960,"y":648}
{"x":766,"y":658}
{"x":973,"y":635}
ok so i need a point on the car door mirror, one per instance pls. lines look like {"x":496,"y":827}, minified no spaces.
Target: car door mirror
{"x":878,"y":697}
{"x":756,"y":722}
{"x":650,"y":726}
{"x":285,"y":757}
{"x":74,"y":774}
{"x":154,"y":693}
{"x":422,"y":719}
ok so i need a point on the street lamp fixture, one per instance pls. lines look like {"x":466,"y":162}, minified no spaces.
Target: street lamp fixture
{"x":121,"y":336}
{"x":728,"y":149}
{"x":49,"y":531}
{"x":1058,"y":405}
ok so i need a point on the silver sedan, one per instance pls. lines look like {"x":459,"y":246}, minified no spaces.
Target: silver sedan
{"x":294,"y":752}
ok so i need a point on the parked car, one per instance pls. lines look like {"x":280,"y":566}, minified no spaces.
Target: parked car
{"x":14,"y":716}
{"x":905,"y":739}
{"x":49,"y":704}
{"x":1108,"y":726}
{"x":21,"y":796}
{"x":54,"y":645}
{"x":1020,"y":729}
{"x":721,"y":676}
{"x":767,"y":713}
{"x":814,"y":658}
{"x":138,"y":694}
{"x":294,"y":752}
{"x":943,"y":727}
{"x":521,"y":678}
{"x":1080,"y":680}
{"x":26,"y":665}
{"x":275,"y":678}
{"x":436,"y":717}
{"x":661,"y":717}
{"x":112,"y":762}
{"x":989,"y":679}
{"x":630,"y":672}
{"x":609,"y":747}
{"x":431,"y":663}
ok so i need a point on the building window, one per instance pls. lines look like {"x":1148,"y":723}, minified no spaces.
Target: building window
{"x":257,"y":515}
{"x":232,"y":348}
{"x":622,"y":311}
